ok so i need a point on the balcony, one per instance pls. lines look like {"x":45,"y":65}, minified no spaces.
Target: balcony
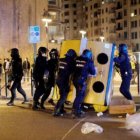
{"x":119,"y":28}
{"x":119,"y":18}
{"x":54,"y":8}
{"x":119,"y":7}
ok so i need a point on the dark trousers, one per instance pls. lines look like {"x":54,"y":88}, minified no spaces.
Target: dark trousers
{"x":46,"y":94}
{"x":63,"y":90}
{"x":80,"y":94}
{"x":40,"y":90}
{"x":125,"y":87}
{"x":17,"y":85}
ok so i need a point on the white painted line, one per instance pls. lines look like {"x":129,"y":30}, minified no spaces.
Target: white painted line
{"x":70,"y":130}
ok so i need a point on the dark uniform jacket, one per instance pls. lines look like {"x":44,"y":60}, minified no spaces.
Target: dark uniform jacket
{"x":39,"y":68}
{"x":84,"y":67}
{"x":66,"y":68}
{"x":123,"y":63}
{"x":53,"y":68}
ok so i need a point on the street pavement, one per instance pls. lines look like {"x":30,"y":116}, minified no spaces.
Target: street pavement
{"x":20,"y":122}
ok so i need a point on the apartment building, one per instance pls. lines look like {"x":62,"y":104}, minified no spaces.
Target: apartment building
{"x":55,"y":33}
{"x":117,"y":21}
{"x":16,"y":17}
{"x":73,"y":18}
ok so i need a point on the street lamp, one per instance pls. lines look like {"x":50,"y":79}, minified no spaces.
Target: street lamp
{"x":102,"y":38}
{"x":83,"y":33}
{"x":46,"y":18}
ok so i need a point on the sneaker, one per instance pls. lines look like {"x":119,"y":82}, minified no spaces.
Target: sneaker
{"x":10,"y":104}
{"x":81,"y":114}
{"x":63,"y":112}
{"x":25,"y":101}
{"x":57,"y":114}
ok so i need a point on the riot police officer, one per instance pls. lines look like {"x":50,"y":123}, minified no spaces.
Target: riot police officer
{"x":84,"y":66}
{"x":66,"y":68}
{"x":38,"y":75}
{"x":52,"y":68}
{"x":123,"y":62}
{"x":16,"y":76}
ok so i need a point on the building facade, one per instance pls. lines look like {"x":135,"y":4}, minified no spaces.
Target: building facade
{"x":116,"y":21}
{"x":73,"y":18}
{"x":16,"y":17}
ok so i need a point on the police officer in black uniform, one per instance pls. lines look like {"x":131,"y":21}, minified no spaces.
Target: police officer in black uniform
{"x":66,"y":68}
{"x":38,"y":74}
{"x":123,"y":62}
{"x":84,"y":66}
{"x":16,"y":76}
{"x":52,"y":68}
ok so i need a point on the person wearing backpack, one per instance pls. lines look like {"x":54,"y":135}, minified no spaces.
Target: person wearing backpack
{"x":84,"y":67}
{"x":52,"y":68}
{"x":66,"y":69}
{"x":40,"y":68}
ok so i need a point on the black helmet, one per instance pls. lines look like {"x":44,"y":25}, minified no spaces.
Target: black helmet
{"x":53,"y":54}
{"x":42,"y":50}
{"x":87,"y":54}
{"x":71,"y":53}
{"x":123,"y":48}
{"x":14,"y":52}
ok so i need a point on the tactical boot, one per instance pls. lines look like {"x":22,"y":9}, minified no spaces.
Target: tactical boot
{"x":35,"y":106}
{"x":42,"y":106}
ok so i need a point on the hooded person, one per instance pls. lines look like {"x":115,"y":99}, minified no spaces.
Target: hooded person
{"x":16,"y":76}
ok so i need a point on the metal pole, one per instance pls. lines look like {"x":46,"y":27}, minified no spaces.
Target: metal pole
{"x":6,"y":83}
{"x":32,"y":80}
{"x":35,"y":51}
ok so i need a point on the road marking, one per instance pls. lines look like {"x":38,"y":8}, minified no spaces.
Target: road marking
{"x":70,"y":130}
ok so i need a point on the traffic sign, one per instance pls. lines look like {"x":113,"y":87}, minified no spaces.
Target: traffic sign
{"x":34,"y":34}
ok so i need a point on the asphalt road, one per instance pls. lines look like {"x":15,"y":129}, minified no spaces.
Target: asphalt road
{"x":20,"y":122}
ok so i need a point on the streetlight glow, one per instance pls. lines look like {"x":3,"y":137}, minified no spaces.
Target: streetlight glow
{"x":83,"y":33}
{"x":102,"y":38}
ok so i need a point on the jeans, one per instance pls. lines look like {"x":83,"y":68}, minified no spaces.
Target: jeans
{"x":17,"y":85}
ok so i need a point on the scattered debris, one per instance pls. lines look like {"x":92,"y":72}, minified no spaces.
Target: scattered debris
{"x":100,"y":114}
{"x":90,"y":127}
{"x":133,"y":122}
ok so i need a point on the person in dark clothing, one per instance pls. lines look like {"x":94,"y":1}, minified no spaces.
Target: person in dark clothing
{"x":66,"y":68}
{"x":38,"y":74}
{"x":84,"y":67}
{"x":52,"y":68}
{"x":0,"y":69}
{"x":26,"y":69}
{"x":123,"y":62}
{"x":16,"y":76}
